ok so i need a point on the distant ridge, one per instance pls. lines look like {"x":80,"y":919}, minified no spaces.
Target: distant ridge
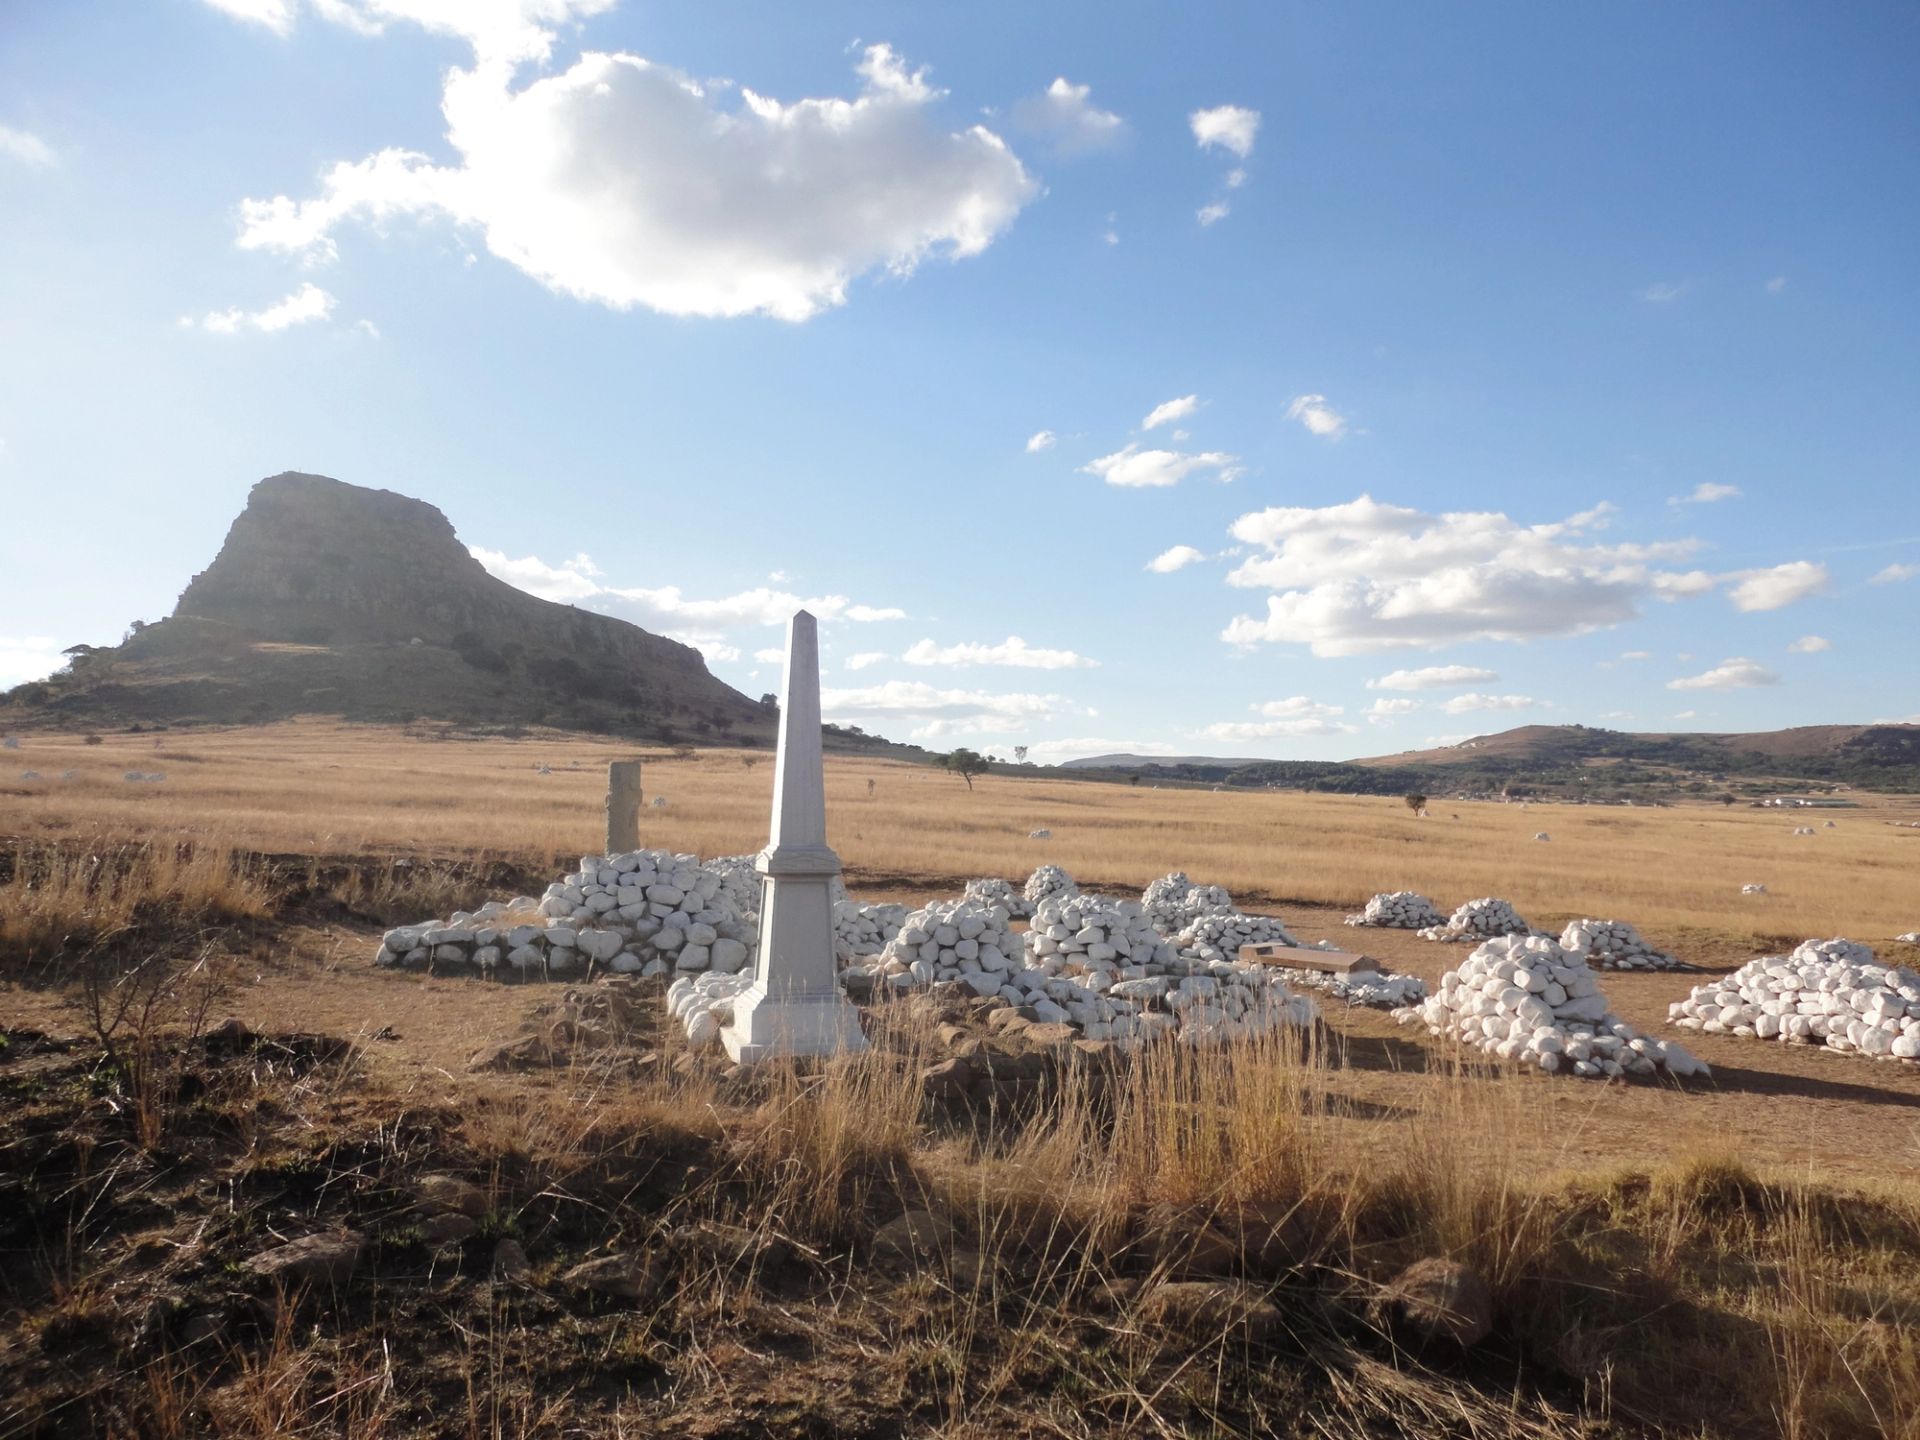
{"x":335,"y":599}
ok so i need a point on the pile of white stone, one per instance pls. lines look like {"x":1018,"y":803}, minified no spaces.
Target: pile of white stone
{"x":1363,"y":987}
{"x":861,"y":931}
{"x":1827,"y":992}
{"x":1804,"y":830}
{"x":1614,"y":945}
{"x":1522,"y":997}
{"x":1219,"y":935}
{"x":1100,"y":965}
{"x":961,"y":940}
{"x":1049,"y":882}
{"x":739,"y":881}
{"x":1173,"y":902}
{"x":647,"y":912}
{"x":1399,"y":910}
{"x":1487,"y":918}
{"x":992,"y":890}
{"x":1753,"y":889}
{"x":1912,"y":937}
{"x":704,"y":1002}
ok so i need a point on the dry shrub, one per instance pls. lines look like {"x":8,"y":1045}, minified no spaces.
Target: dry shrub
{"x":77,"y":897}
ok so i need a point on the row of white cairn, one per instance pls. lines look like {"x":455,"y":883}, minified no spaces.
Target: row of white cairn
{"x":1604,"y":944}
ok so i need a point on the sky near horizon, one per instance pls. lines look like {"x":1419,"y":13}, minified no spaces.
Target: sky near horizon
{"x":1288,"y":380}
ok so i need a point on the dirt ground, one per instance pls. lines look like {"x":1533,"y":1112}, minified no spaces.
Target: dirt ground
{"x":1786,"y":1110}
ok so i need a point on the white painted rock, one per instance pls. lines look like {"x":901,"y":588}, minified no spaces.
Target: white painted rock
{"x":1828,"y":992}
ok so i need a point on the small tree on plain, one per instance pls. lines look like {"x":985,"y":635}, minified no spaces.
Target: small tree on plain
{"x":966,"y":764}
{"x":1417,"y":804}
{"x":1020,"y":754}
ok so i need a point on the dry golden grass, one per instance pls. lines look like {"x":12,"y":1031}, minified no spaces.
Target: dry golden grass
{"x":313,"y":787}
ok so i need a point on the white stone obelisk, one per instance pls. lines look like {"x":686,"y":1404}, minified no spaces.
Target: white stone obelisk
{"x":795,"y":1005}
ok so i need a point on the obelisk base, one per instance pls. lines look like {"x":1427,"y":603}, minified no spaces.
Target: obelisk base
{"x":795,"y":1005}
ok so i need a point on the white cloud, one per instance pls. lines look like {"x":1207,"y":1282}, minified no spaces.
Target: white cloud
{"x":1012,"y":652}
{"x":304,"y":305}
{"x":1236,"y":178}
{"x":1041,"y":440}
{"x":1433,"y":677}
{"x":1232,"y":127}
{"x":666,"y":608}
{"x":1705,"y":493}
{"x":1177,"y":558}
{"x":502,"y":31}
{"x":1662,"y":292}
{"x":934,"y":712}
{"x":1636,"y":654}
{"x":1776,"y":284}
{"x":625,"y":182}
{"x":1133,"y":467}
{"x":867,"y":659}
{"x":1319,"y":417}
{"x":772,"y":655}
{"x":1471,"y":701}
{"x":1380,"y":712}
{"x":1779,"y":586}
{"x":1296,"y":715}
{"x":28,"y":657}
{"x":1686,"y":714}
{"x":1170,"y":410}
{"x":1810,"y":645}
{"x":1736,"y":674}
{"x":1895,"y":573}
{"x":1363,"y":577}
{"x":711,"y":647}
{"x":1068,"y":120}
{"x":1214,"y":213}
{"x":28,"y":149}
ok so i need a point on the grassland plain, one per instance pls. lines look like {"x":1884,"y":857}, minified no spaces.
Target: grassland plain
{"x":1728,"y":1258}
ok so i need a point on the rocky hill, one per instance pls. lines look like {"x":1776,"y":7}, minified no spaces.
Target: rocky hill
{"x":335,"y":599}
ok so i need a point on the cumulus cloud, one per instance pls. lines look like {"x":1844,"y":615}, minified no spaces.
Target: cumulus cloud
{"x":933,"y":712}
{"x":28,"y":657}
{"x":1810,"y":645}
{"x":508,"y":31}
{"x":1664,"y":292}
{"x":1169,"y":411}
{"x":1736,"y":674}
{"x":1894,"y":574}
{"x":1380,"y":712}
{"x":1364,"y":577}
{"x":1068,"y":120}
{"x":1778,"y":586}
{"x":1012,"y":652}
{"x":1296,"y":715}
{"x":1471,"y":701}
{"x":1433,"y":677}
{"x":867,"y":659}
{"x":1319,"y":417}
{"x":1231,"y":127}
{"x":307,"y":304}
{"x":1705,"y":493}
{"x":1134,"y":468}
{"x":1176,"y":558}
{"x":1214,"y":213}
{"x":666,"y":608}
{"x":1040,"y":440}
{"x":771,"y":655}
{"x":625,"y":182}
{"x":27,"y":148}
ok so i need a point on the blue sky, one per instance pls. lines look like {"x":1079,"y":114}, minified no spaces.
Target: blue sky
{"x":1524,"y":364}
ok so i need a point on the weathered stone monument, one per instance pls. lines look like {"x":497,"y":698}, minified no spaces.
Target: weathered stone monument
{"x":795,"y":1005}
{"x":623,"y":806}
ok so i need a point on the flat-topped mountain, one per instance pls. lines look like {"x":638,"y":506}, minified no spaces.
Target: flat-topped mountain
{"x":335,"y":599}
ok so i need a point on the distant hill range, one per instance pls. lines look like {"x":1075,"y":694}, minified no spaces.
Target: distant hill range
{"x":335,"y":599}
{"x":1577,"y":761}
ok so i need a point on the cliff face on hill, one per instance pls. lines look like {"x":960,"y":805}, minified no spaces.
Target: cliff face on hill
{"x":329,"y":598}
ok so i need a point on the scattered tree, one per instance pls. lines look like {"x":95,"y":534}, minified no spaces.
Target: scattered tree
{"x":749,"y":761}
{"x":1019,"y":754}
{"x":870,"y":789}
{"x":966,"y":764}
{"x":1417,"y":804}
